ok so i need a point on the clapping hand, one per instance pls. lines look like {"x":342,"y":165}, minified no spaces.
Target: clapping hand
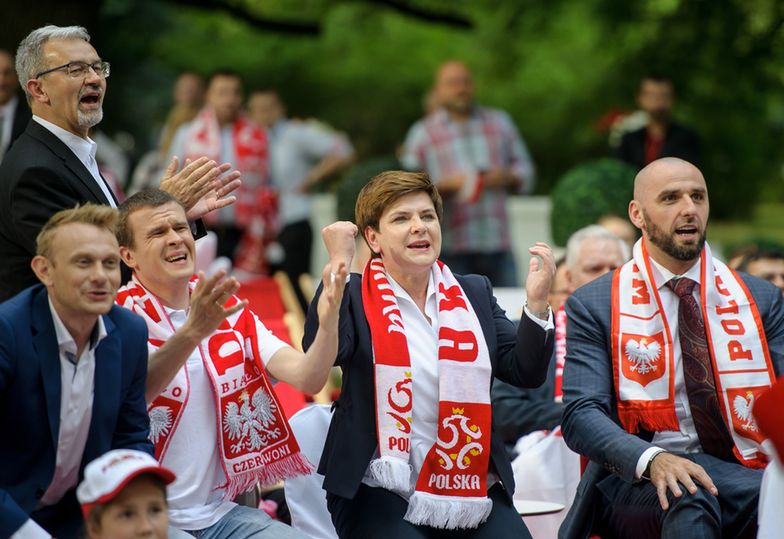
{"x":202,"y":185}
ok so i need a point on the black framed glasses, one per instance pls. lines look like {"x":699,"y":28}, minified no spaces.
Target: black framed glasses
{"x":77,"y":69}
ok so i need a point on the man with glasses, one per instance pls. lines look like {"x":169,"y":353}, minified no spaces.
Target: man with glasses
{"x":52,"y":165}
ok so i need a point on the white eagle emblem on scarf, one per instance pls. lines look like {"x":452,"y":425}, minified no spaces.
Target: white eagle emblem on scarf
{"x":160,"y":422}
{"x":249,"y":423}
{"x":643,"y":355}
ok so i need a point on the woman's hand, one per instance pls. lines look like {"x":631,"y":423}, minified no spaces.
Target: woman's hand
{"x":541,"y":272}
{"x":339,"y":239}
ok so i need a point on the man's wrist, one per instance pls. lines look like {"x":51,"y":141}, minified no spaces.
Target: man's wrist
{"x":646,"y":474}
{"x":542,"y":313}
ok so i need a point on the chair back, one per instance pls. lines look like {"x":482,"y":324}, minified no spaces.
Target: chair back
{"x":306,"y":498}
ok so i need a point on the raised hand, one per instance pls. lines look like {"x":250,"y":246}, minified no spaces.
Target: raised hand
{"x":208,"y":307}
{"x":667,"y":470}
{"x":541,"y":272}
{"x":331,"y":295}
{"x":201,"y":185}
{"x":339,"y":239}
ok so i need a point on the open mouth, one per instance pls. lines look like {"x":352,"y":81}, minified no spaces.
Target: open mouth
{"x":91,"y":99}
{"x":419,"y":245}
{"x":687,"y":231}
{"x":175,"y":259}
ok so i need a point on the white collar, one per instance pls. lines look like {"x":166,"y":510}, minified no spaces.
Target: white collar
{"x":661,"y":275}
{"x":84,"y":148}
{"x":400,"y":292}
{"x":65,"y":340}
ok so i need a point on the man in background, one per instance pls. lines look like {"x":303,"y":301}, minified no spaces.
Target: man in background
{"x":302,"y":154}
{"x":661,"y":136}
{"x":475,"y":156}
{"x":14,"y":112}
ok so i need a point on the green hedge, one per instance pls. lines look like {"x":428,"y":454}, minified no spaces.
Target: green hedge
{"x":588,"y":192}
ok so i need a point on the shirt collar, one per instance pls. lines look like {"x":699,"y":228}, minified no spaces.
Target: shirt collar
{"x":65,"y":341}
{"x":401,"y":293}
{"x":83,"y":148}
{"x":662,"y":275}
{"x":442,"y":116}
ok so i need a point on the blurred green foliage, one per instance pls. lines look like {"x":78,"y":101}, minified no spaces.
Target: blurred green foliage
{"x":557,"y":67}
{"x":589,"y":192}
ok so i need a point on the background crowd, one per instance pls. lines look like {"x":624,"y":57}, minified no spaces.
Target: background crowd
{"x":478,"y":156}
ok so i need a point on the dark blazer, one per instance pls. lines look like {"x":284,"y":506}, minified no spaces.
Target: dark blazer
{"x":518,"y":356}
{"x":519,"y":411}
{"x":39,"y":176}
{"x":590,"y":424}
{"x":30,"y":389}
{"x":680,"y":141}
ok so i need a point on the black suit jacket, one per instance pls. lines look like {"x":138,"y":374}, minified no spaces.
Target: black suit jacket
{"x":518,"y":356}
{"x":680,"y":142}
{"x":39,"y":176}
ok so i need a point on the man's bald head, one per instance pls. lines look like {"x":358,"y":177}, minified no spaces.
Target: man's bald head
{"x":665,"y":168}
{"x":454,"y":87}
{"x":671,"y":208}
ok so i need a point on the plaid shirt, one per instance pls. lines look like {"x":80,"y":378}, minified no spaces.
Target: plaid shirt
{"x":488,"y":140}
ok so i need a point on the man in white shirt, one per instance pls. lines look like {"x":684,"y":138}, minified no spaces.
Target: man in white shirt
{"x":215,"y":419}
{"x":73,"y":369}
{"x":664,"y":358}
{"x":302,"y":154}
{"x":52,"y":164}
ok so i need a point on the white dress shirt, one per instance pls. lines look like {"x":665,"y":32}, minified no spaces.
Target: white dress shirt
{"x":77,"y":382}
{"x":422,"y":337}
{"x":684,"y":440}
{"x":84,"y":149}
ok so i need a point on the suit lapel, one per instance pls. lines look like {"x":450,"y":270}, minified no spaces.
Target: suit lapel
{"x":87,"y":183}
{"x":108,"y":376}
{"x":48,"y":352}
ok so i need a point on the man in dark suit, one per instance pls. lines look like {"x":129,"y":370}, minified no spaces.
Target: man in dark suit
{"x":52,"y":165}
{"x":690,"y":469}
{"x":72,"y":375}
{"x":14,"y":112}
{"x":661,"y":136}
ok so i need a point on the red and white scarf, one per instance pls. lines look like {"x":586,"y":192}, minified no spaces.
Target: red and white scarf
{"x":251,"y":154}
{"x":560,"y":352}
{"x":643,"y":359}
{"x":451,"y":489}
{"x":256,"y":443}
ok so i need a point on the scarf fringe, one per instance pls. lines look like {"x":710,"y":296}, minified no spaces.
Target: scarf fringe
{"x":392,"y":473}
{"x":655,"y":420}
{"x":447,"y":512}
{"x":269,"y":474}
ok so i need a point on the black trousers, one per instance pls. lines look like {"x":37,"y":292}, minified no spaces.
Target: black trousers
{"x":297,"y":242}
{"x":376,"y":513}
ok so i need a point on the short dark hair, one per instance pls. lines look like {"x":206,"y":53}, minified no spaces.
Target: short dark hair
{"x":767,"y":253}
{"x":656,"y":76}
{"x":147,"y":198}
{"x":223,"y":72}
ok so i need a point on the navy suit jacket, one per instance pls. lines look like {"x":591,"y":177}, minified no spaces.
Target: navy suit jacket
{"x":590,"y":424}
{"x":30,"y":389}
{"x":519,"y":356}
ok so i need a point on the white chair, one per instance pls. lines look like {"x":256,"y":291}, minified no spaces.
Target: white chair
{"x":306,"y":498}
{"x":770,"y":518}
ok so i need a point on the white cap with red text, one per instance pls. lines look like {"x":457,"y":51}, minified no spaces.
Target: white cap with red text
{"x":107,"y":475}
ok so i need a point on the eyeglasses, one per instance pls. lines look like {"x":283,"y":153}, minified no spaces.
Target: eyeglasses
{"x":78,"y":70}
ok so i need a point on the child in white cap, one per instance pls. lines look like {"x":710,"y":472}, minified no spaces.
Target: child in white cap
{"x":123,"y":496}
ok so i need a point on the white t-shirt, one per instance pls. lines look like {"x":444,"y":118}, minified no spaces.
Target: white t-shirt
{"x":196,"y":497}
